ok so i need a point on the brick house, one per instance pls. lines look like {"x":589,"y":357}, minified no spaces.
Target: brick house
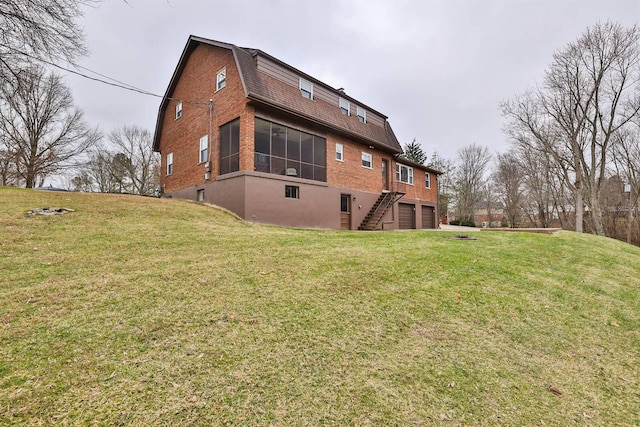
{"x":485,"y":215}
{"x":243,"y":130}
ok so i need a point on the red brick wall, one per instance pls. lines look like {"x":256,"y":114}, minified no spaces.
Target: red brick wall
{"x":196,"y":86}
{"x":418,"y":190}
{"x":247,"y":129}
{"x":350,"y":173}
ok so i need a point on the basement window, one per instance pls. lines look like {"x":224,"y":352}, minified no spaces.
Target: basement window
{"x":200,"y":195}
{"x":291,"y":192}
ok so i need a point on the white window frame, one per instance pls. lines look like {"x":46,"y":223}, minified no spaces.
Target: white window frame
{"x":340,"y":152}
{"x":204,"y":149}
{"x":306,"y":87}
{"x":370,"y":160}
{"x":362,"y":114}
{"x":399,"y":167}
{"x":291,"y":192}
{"x":221,"y":79}
{"x":427,"y":180}
{"x":344,"y":105}
{"x":178,"y":110}
{"x":169,"y":164}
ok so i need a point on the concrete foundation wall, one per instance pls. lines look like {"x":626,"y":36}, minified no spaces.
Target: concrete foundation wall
{"x":260,"y":197}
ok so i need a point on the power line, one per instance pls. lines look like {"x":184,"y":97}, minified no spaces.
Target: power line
{"x":122,"y":86}
{"x":113,"y":82}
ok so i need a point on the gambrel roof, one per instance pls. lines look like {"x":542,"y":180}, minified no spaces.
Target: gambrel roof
{"x":261,"y":88}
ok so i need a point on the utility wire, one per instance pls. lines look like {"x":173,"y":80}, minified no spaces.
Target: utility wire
{"x":113,"y":82}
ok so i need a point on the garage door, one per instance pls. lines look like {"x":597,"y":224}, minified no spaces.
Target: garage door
{"x":406,"y":216}
{"x":428,"y":217}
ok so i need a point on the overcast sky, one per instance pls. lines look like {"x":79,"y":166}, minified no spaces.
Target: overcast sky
{"x":437,"y":69}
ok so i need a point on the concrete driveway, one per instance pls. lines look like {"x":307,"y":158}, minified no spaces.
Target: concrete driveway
{"x":447,"y":227}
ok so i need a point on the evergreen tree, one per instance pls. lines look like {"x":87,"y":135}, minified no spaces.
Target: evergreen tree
{"x":414,"y":152}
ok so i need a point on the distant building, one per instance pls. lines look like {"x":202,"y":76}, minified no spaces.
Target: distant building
{"x":485,"y":215}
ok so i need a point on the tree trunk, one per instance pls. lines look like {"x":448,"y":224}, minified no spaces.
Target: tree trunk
{"x":629,"y":219}
{"x":596,"y":214}
{"x":579,"y":207}
{"x":30,"y":177}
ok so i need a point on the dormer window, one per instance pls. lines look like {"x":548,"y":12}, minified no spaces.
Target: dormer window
{"x":345,"y":108}
{"x":362,"y":114}
{"x":306,"y":89}
{"x":221,"y":79}
{"x":179,"y":110}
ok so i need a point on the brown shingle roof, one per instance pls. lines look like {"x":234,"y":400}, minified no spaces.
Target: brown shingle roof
{"x":265,"y":89}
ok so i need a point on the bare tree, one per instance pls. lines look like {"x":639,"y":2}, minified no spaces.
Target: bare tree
{"x":82,"y":182}
{"x":137,"y":159}
{"x":508,"y":177}
{"x":98,"y":167}
{"x":445,"y":181}
{"x":39,"y":29}
{"x":473,"y":161}
{"x":40,"y":125}
{"x":627,"y":166}
{"x":8,"y":171}
{"x":609,"y":55}
{"x":539,"y":178}
{"x":589,"y":93}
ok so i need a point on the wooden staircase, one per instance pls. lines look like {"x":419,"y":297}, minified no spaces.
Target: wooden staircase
{"x":379,"y":209}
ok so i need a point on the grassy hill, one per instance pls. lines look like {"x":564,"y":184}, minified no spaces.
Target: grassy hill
{"x":139,"y":311}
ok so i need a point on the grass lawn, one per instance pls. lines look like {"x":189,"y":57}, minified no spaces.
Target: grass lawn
{"x":141,"y":311}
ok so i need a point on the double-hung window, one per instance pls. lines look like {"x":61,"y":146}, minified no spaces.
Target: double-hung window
{"x":204,"y":148}
{"x":179,"y":110}
{"x":362,"y":114}
{"x":339,"y":152}
{"x":345,"y":108}
{"x":404,"y":174}
{"x":221,"y":79}
{"x":367,"y":160}
{"x":306,"y":89}
{"x":427,"y":179}
{"x":169,"y":164}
